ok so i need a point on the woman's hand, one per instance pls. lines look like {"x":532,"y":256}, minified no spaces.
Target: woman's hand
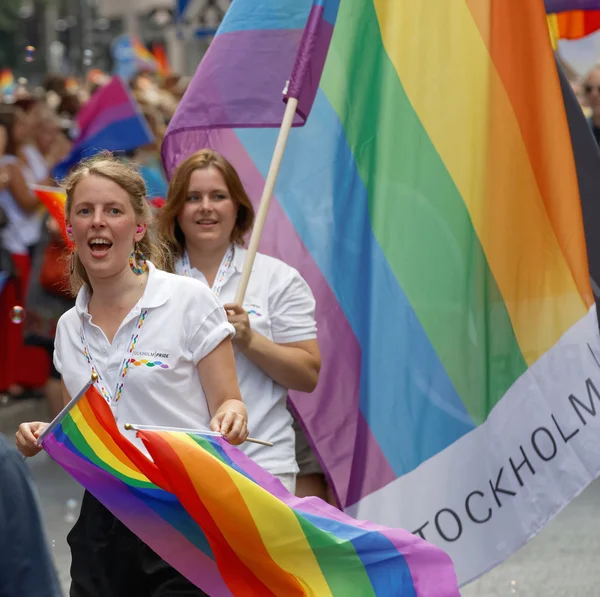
{"x":26,"y":437}
{"x":231,"y":421}
{"x":238,"y":318}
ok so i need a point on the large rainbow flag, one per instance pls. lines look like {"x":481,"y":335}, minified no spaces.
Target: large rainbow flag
{"x":229,"y":526}
{"x":433,"y":202}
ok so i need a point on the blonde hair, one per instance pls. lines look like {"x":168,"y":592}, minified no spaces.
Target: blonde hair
{"x":107,"y":166}
{"x":168,"y":227}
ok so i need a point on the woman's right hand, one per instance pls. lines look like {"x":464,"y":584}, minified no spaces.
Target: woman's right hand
{"x":26,"y":437}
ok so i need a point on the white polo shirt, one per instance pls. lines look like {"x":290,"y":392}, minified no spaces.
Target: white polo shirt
{"x":281,"y":307}
{"x":184,"y":322}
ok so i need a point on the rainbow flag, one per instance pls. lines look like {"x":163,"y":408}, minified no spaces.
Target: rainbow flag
{"x":160,"y":57}
{"x":145,"y":60}
{"x":53,"y":199}
{"x":7,"y":82}
{"x":572,"y":19}
{"x":230,"y":527}
{"x":111,"y":120}
{"x":433,"y":203}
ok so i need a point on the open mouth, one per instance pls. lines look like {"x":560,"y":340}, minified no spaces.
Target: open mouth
{"x":99,"y":247}
{"x":207,"y":223}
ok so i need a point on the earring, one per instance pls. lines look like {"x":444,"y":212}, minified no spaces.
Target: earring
{"x":69,"y":229}
{"x":136,"y":254}
{"x":72,"y":263}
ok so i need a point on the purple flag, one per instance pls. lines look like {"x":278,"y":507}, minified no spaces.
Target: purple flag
{"x":553,"y":6}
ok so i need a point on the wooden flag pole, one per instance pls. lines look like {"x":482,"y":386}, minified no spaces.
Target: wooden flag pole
{"x":63,"y":413}
{"x":265,"y":200}
{"x":131,"y":427}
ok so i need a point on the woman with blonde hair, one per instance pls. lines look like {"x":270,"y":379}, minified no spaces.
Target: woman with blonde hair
{"x":204,"y":222}
{"x":127,"y":309}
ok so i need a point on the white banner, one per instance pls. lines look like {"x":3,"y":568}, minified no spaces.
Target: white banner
{"x":490,"y":492}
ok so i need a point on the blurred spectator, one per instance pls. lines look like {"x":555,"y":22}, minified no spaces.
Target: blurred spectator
{"x":26,"y":567}
{"x":591,"y":88}
{"x":69,"y":106}
{"x":56,"y":84}
{"x":18,"y":237}
{"x":48,"y":298}
{"x":33,"y":110}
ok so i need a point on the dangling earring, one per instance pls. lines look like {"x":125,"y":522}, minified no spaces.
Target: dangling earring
{"x":137,"y":255}
{"x":72,"y":264}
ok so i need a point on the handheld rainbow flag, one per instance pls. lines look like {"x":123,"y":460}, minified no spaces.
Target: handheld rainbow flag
{"x":7,"y":82}
{"x":53,"y":199}
{"x":436,"y":212}
{"x":111,"y":120}
{"x":572,"y":19}
{"x":230,"y":527}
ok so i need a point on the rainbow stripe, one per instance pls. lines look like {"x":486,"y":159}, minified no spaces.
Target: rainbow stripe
{"x":110,"y":120}
{"x":230,"y":527}
{"x":54,"y":199}
{"x":7,"y":82}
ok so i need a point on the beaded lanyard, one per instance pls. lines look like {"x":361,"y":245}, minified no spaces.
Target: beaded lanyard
{"x":223,"y":269}
{"x":124,"y":365}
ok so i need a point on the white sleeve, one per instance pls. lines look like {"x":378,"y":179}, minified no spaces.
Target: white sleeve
{"x":56,"y":357}
{"x":292,"y":311}
{"x":210,"y":330}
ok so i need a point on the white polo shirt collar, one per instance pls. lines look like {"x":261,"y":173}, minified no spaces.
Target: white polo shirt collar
{"x":239,"y":258}
{"x":155,"y":293}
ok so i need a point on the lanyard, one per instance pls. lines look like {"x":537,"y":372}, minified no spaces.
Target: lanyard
{"x":221,"y":274}
{"x":124,"y":365}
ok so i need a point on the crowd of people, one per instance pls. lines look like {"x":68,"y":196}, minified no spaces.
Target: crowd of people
{"x":168,"y":256}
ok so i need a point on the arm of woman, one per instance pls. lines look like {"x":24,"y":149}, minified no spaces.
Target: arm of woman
{"x":219,"y":381}
{"x":293,"y":365}
{"x":21,"y":193}
{"x":292,"y":358}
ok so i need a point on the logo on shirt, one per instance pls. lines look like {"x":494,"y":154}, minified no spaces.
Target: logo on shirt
{"x":153,"y":359}
{"x":253,"y":309}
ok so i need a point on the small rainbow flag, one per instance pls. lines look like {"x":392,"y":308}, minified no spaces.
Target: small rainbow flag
{"x":7,"y":82}
{"x":572,"y":19}
{"x":162,"y":62}
{"x":229,"y":526}
{"x":53,"y":199}
{"x":144,"y":58}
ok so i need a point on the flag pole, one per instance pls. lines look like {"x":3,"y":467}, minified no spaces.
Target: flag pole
{"x":265,"y":200}
{"x":63,"y":413}
{"x":131,"y":427}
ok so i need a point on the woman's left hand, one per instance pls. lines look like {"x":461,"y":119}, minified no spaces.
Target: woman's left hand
{"x":231,"y":421}
{"x":238,"y":318}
